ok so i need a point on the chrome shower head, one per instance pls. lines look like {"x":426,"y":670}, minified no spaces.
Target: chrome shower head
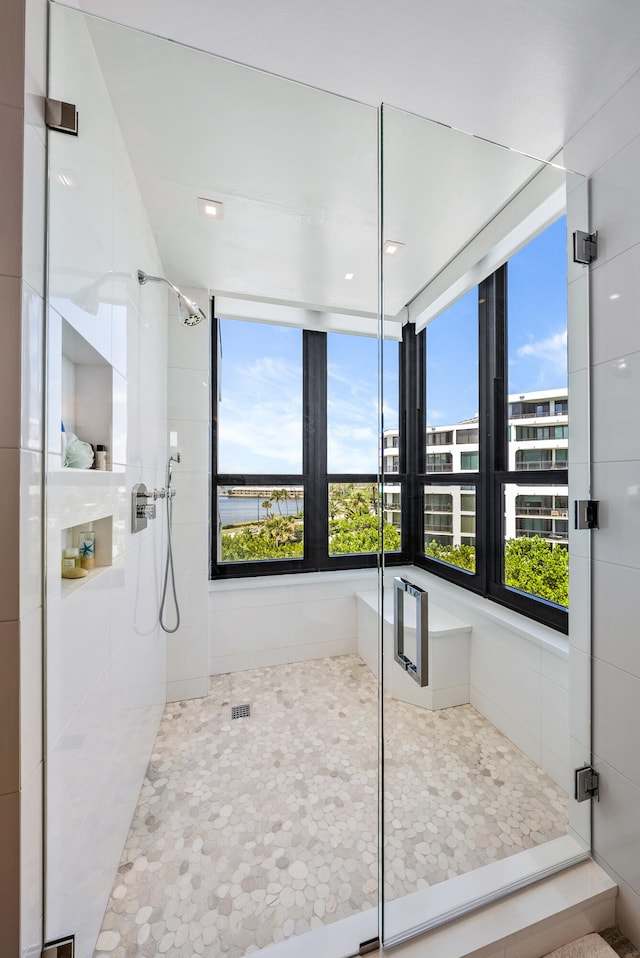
{"x":190,"y":312}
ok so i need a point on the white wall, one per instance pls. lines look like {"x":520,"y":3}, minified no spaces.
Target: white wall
{"x":518,"y":673}
{"x":189,"y":432}
{"x":608,"y":149}
{"x":274,"y":620}
{"x":105,"y":652}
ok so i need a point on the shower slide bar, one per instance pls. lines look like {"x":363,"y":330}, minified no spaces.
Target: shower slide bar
{"x":418,"y":670}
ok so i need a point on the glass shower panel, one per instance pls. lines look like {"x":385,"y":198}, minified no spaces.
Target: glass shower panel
{"x":211,"y":790}
{"x":477,"y":781}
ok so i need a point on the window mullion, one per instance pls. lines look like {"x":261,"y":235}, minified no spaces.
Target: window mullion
{"x":412,"y":437}
{"x":492,"y":317}
{"x":314,"y":352}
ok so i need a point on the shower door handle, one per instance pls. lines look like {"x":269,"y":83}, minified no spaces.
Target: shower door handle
{"x":418,"y":670}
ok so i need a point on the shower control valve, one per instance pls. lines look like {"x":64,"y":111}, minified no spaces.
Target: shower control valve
{"x":146,"y":510}
{"x":141,"y":508}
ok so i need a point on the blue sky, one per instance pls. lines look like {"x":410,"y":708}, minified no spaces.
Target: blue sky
{"x":536,"y":335}
{"x":260,"y":416}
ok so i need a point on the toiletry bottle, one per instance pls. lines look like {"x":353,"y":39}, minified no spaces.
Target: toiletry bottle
{"x":71,"y":559}
{"x":101,"y":457}
{"x":87,"y":549}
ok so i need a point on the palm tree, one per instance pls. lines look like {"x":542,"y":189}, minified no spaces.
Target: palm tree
{"x":267,"y":504}
{"x":358,"y":502}
{"x":278,"y":495}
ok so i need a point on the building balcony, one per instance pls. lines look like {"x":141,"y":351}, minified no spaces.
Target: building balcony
{"x":538,"y":466}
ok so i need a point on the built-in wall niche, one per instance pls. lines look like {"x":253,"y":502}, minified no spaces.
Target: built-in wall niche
{"x":87,"y":392}
{"x":99,"y":532}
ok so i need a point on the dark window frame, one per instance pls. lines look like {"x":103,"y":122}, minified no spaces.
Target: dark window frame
{"x":487,"y":484}
{"x":314,"y":478}
{"x":493,"y":474}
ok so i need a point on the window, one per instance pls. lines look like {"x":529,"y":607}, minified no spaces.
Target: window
{"x":524,"y":433}
{"x":469,"y":460}
{"x":439,"y":462}
{"x":440,"y":438}
{"x":474,"y":444}
{"x":256,"y":523}
{"x":437,"y":523}
{"x":438,"y":502}
{"x":295,"y":450}
{"x":448,"y":533}
{"x":505,"y":541}
{"x":468,"y":524}
{"x":260,"y":407}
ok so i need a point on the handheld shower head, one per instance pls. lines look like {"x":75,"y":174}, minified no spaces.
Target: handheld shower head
{"x":190,"y":312}
{"x":174,"y":457}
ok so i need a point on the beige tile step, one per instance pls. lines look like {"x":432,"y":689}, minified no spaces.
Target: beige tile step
{"x":530,"y":923}
{"x":589,"y":946}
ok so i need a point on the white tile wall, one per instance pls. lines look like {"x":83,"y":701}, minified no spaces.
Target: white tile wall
{"x":189,"y":431}
{"x":608,"y":149}
{"x":30,"y":694}
{"x":106,"y":655}
{"x":31,"y":854}
{"x":259,"y":622}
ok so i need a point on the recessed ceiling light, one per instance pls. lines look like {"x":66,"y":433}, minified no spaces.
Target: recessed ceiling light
{"x":615,"y":296}
{"x":392,"y":247}
{"x":212,"y":209}
{"x":348,"y":275}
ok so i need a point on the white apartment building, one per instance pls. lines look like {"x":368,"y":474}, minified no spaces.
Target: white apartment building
{"x":538,"y":439}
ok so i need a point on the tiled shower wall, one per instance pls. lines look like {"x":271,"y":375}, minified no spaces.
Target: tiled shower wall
{"x":189,"y":434}
{"x":106,"y":655}
{"x":607,"y":148}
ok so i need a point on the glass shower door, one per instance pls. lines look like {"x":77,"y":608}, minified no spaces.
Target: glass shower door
{"x":212,"y":790}
{"x":485,"y":704}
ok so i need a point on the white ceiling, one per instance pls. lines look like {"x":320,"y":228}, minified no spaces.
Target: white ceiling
{"x":526,"y":73}
{"x":297,"y":169}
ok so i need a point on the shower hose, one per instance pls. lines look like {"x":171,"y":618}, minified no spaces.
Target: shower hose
{"x":168,"y":567}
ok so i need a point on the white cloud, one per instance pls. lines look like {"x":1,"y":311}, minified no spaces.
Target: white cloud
{"x":551,"y":351}
{"x":260,"y":417}
{"x":435,"y":416}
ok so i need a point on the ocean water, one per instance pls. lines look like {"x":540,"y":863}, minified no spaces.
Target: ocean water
{"x":240,"y":509}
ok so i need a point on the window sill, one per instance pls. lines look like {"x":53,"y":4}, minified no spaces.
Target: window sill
{"x":290,"y":579}
{"x":468,"y":605}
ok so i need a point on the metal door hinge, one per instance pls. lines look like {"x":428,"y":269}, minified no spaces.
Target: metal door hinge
{"x":61,"y":116}
{"x":366,"y":947}
{"x":587,"y":784}
{"x":585,"y":247}
{"x":62,"y":948}
{"x":586,"y":513}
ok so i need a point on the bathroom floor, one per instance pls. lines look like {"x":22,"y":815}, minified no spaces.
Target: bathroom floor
{"x":250,"y":830}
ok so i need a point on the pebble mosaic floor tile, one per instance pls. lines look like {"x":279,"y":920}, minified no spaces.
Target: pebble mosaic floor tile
{"x":251,"y":830}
